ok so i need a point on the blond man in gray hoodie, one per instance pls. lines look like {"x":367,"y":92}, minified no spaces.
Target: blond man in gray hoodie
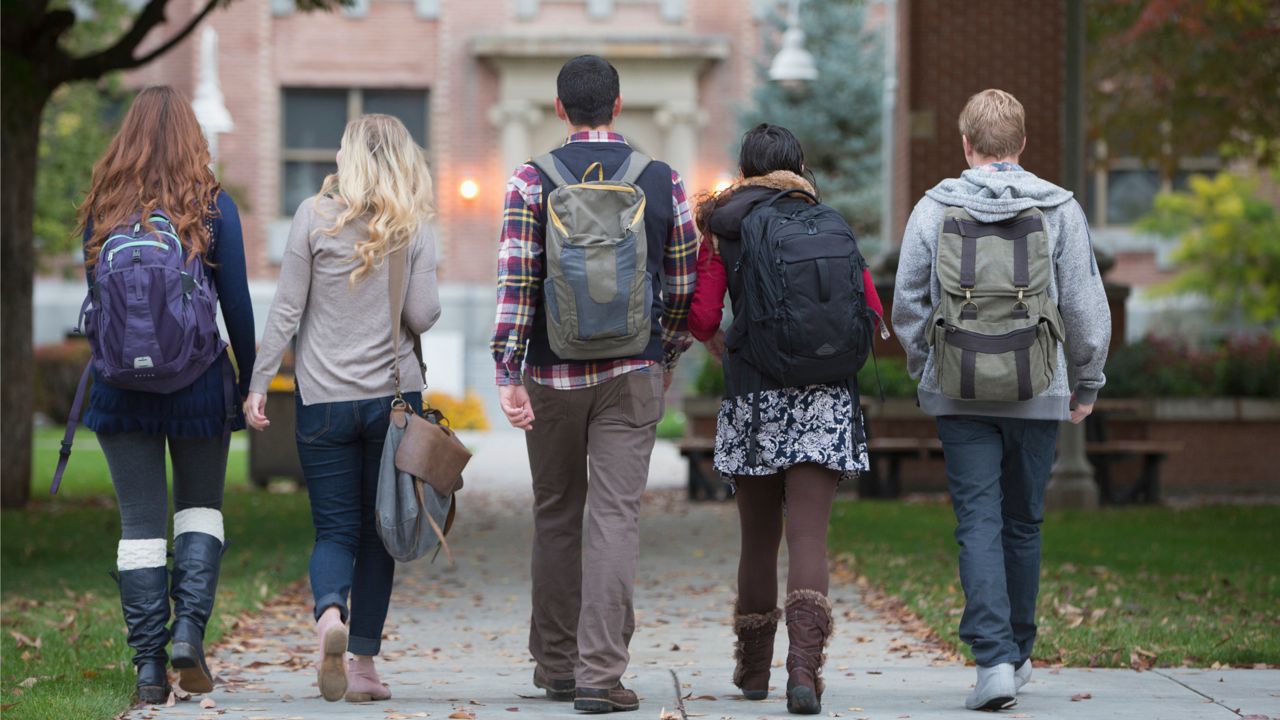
{"x":1000,"y":307}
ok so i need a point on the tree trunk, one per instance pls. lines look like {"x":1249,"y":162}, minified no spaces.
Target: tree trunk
{"x":22,"y":103}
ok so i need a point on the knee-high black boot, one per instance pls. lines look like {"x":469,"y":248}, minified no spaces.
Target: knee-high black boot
{"x":197,"y":557}
{"x":145,"y":603}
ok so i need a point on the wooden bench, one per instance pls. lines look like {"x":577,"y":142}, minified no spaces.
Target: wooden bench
{"x":893,"y":450}
{"x":705,"y":482}
{"x":1102,"y":453}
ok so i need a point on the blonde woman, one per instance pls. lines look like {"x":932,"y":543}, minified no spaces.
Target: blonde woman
{"x":332,"y":294}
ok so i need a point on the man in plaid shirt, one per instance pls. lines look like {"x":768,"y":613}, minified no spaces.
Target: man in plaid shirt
{"x":594,"y":417}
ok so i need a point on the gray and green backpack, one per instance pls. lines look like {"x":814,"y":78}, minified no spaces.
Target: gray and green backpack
{"x":597,"y":291}
{"x":995,"y":332}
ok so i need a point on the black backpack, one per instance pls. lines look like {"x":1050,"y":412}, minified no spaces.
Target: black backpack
{"x":807,"y":320}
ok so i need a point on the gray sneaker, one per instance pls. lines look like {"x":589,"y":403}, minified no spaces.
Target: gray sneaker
{"x":1022,"y":675}
{"x":996,"y":689}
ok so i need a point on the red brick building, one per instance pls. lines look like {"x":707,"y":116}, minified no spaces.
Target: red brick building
{"x":474,"y":80}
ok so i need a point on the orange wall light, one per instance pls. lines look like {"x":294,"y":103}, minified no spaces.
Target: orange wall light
{"x":468,"y":189}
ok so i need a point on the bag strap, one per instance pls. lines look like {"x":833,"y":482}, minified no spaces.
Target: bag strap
{"x":555,"y":169}
{"x":73,"y":419}
{"x":396,"y":295}
{"x":787,"y":193}
{"x":631,"y":168}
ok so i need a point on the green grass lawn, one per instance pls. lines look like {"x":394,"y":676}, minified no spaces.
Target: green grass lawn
{"x":63,"y":633}
{"x":1156,"y":585}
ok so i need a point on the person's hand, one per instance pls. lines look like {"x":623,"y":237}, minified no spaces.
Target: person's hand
{"x":1079,"y":412}
{"x":715,"y":346}
{"x":255,"y":411}
{"x":516,"y":406}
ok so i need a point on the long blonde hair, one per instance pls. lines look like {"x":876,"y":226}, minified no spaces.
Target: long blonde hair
{"x":382,"y":177}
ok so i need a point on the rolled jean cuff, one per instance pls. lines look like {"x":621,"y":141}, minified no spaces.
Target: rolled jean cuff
{"x":331,"y":600}
{"x":364,"y":646}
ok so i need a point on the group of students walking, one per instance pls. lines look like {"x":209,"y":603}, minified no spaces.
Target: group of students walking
{"x":607,"y":271}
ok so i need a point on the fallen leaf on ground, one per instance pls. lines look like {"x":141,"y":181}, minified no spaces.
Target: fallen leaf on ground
{"x":208,"y":703}
{"x":1081,"y":696}
{"x":25,"y":641}
{"x":29,"y":682}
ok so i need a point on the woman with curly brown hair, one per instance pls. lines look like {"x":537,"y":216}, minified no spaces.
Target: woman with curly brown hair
{"x":155,"y":206}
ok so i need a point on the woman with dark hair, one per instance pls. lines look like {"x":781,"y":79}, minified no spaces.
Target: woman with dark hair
{"x":811,"y":442}
{"x":153,"y":194}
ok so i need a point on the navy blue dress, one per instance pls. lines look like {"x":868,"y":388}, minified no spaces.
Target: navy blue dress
{"x":198,"y":410}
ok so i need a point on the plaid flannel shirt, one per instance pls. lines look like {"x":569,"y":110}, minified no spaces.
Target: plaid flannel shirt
{"x":520,"y":257}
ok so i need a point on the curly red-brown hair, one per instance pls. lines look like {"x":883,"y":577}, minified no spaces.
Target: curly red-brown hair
{"x":159,"y":160}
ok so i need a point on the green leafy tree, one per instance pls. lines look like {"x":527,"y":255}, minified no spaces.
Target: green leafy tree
{"x":45,"y":45}
{"x":74,"y":132}
{"x":1228,"y":247}
{"x":837,"y":116}
{"x":1185,"y":78}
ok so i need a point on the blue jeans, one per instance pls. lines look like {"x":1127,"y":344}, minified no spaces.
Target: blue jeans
{"x":340,"y":447}
{"x":997,"y":471}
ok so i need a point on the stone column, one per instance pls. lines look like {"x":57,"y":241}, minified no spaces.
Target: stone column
{"x":1071,"y":485}
{"x":681,"y":120}
{"x":515,"y":120}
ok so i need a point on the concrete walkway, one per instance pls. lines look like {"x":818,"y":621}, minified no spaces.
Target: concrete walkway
{"x":456,"y":637}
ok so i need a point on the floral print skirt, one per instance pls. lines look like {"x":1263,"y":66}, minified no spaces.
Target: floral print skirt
{"x":812,"y":424}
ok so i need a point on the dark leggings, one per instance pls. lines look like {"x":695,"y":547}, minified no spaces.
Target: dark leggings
{"x":809,"y":491}
{"x":137,"y":468}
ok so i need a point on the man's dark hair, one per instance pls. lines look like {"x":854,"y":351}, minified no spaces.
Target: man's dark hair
{"x":588,"y":86}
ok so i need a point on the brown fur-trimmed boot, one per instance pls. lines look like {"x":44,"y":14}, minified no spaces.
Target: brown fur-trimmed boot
{"x":809,"y":631}
{"x":753,"y":651}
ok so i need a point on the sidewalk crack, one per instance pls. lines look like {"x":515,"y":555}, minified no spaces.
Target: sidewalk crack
{"x":1215,"y":701}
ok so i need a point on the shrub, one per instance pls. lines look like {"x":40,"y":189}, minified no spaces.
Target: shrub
{"x":894,"y":378}
{"x":710,"y":379}
{"x":1156,"y":367}
{"x":466,"y":413}
{"x":57,"y":372}
{"x":1248,"y":367}
{"x":672,"y":425}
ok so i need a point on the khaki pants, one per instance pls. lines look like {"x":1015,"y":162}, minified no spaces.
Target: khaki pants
{"x":582,"y":614}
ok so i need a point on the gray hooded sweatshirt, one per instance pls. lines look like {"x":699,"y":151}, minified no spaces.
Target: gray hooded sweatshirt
{"x":1075,"y":284}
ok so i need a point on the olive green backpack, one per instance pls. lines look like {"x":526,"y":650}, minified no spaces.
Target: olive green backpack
{"x":995,"y":332}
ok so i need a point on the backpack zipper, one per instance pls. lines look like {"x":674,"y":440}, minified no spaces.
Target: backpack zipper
{"x":111,"y":256}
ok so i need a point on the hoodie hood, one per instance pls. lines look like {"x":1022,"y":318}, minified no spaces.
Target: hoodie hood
{"x":996,"y":196}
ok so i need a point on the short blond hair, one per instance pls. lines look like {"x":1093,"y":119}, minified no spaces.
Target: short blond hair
{"x":995,"y":123}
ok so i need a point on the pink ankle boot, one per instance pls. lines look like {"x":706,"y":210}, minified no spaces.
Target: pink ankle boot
{"x":331,"y":672}
{"x":363,"y":683}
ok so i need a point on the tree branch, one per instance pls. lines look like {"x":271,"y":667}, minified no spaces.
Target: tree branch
{"x":120,"y":55}
{"x":181,"y":35}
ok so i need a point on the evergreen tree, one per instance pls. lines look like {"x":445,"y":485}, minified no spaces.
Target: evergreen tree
{"x":837,"y":116}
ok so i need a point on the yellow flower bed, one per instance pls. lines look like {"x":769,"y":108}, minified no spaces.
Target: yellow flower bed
{"x":466,"y":413}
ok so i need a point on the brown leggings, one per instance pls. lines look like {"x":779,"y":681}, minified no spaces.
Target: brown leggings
{"x":809,"y":491}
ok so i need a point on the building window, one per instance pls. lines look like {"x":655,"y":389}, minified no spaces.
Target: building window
{"x":1121,"y":190}
{"x":314,"y":120}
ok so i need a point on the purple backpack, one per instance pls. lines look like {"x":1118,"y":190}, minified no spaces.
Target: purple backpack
{"x":151,"y":317}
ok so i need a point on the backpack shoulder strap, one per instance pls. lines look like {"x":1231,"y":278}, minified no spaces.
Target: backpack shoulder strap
{"x":554,"y":168}
{"x":631,"y":169}
{"x":73,"y":419}
{"x":788,"y":193}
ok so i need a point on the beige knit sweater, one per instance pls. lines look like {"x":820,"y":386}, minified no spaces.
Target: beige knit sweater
{"x":344,"y":331}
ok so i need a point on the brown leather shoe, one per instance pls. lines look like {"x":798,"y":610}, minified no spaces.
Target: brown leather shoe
{"x":595,"y":700}
{"x":558,"y":690}
{"x":754,"y":651}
